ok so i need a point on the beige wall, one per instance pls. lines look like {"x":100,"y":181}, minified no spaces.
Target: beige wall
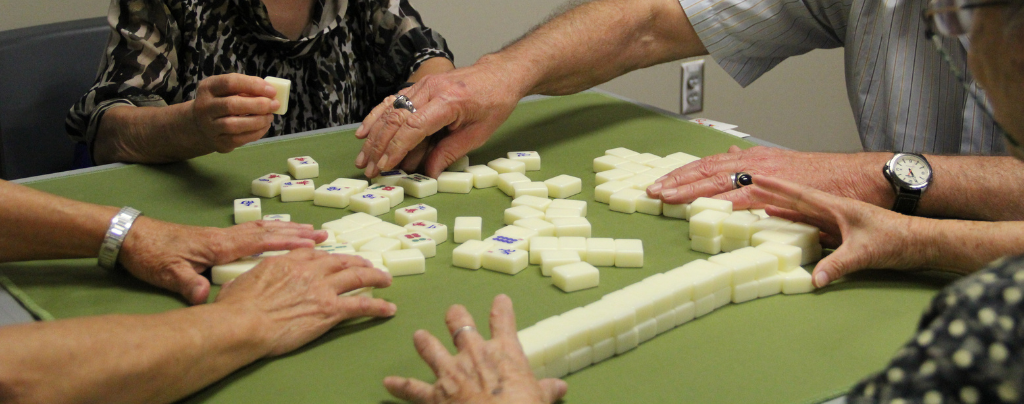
{"x":801,"y":104}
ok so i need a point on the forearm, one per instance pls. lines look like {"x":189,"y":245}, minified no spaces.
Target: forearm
{"x":37,"y":225}
{"x":151,"y":359}
{"x":974,"y":187}
{"x":594,"y":43}
{"x":966,"y":246}
{"x":431,"y":66}
{"x":146,"y":135}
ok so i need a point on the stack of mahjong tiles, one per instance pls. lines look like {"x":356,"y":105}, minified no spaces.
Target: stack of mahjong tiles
{"x":553,"y":234}
{"x":623,"y":176}
{"x":623,"y":319}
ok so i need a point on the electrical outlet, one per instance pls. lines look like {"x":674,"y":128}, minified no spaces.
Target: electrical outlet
{"x":691,"y":93}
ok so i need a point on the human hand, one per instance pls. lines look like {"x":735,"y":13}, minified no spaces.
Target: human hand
{"x":470,"y":102}
{"x":494,"y":371}
{"x":296,"y":296}
{"x":172,"y":256}
{"x":865,"y":236}
{"x":231,"y":110}
{"x":853,"y":175}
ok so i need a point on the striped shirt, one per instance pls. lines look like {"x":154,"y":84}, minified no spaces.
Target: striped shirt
{"x":904,"y":96}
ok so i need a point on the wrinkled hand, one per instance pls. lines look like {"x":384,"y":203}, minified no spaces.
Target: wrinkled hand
{"x":469,"y":102}
{"x":172,"y":256}
{"x":867,"y":236}
{"x":856,"y":175}
{"x":296,"y":295}
{"x":494,"y":371}
{"x":231,"y":110}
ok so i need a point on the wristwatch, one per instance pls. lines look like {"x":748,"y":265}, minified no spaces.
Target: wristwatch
{"x":909,"y":175}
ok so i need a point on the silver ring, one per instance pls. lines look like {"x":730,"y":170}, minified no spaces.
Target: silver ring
{"x":403,"y":102}
{"x":741,"y":179}
{"x":455,"y":334}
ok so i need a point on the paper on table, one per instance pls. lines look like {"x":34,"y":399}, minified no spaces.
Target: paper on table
{"x":713,"y":124}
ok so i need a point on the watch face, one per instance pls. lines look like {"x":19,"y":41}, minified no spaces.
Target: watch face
{"x":912,"y":170}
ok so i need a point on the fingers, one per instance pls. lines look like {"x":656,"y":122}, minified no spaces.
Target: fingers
{"x":432,"y":352}
{"x":233,"y":84}
{"x":346,"y":280}
{"x":787,"y":195}
{"x":553,"y":389}
{"x":239,"y":105}
{"x":835,"y":266}
{"x":417,"y":126}
{"x":456,"y":318}
{"x":259,"y":236}
{"x":503,"y":318}
{"x":409,"y":389}
{"x":371,"y":119}
{"x":362,"y":306}
{"x":450,"y":149}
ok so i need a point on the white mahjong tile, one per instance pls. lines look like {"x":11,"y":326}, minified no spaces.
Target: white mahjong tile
{"x":641,"y":181}
{"x":469,"y":254}
{"x":665,"y":162}
{"x":303,"y":167}
{"x":459,"y":165}
{"x":434,"y":230}
{"x":467,"y":228}
{"x":521,"y":212}
{"x":297,"y":190}
{"x":358,"y":185}
{"x":744,"y":292}
{"x":359,"y":220}
{"x":683,"y":157}
{"x":629,"y":253}
{"x":337,"y":248}
{"x":620,"y":152}
{"x":744,"y":270}
{"x":767,"y":263}
{"x":483,"y":176}
{"x":603,"y":192}
{"x":677,"y":211}
{"x":540,"y":244}
{"x":405,"y":262}
{"x":280,"y":217}
{"x":571,"y":227}
{"x":269,"y":186}
{"x":455,"y":183}
{"x":247,"y":210}
{"x":530,"y":158}
{"x":394,"y":193}
{"x":418,"y":185}
{"x":601,"y":251}
{"x":564,"y":186}
{"x":789,"y":256}
{"x":579,"y":206}
{"x":607,"y":162}
{"x":643,"y":158}
{"x":633,"y":167}
{"x":381,"y":244}
{"x":648,"y":205}
{"x":506,"y":180}
{"x":796,"y":281}
{"x":552,"y":258}
{"x":534,"y":188}
{"x":411,"y":213}
{"x":500,"y":241}
{"x":738,"y":225}
{"x":771,"y":223}
{"x":574,"y":243}
{"x":333,"y":196}
{"x":540,"y":226}
{"x":701,"y":204}
{"x":707,"y":224}
{"x":624,"y":200}
{"x":615,"y":174}
{"x":507,"y":260}
{"x":517,"y":232}
{"x":390,"y":177}
{"x":769,"y":286}
{"x":419,"y":241}
{"x":370,"y":203}
{"x":283,"y":87}
{"x":730,"y":244}
{"x":535,"y":202}
{"x":707,"y":245}
{"x":386,"y":229}
{"x":356,"y":238}
{"x":503,"y":165}
{"x":224,"y":273}
{"x":553,"y":213}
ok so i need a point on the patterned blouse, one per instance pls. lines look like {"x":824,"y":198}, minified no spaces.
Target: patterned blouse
{"x":969,"y":346}
{"x":352,"y":55}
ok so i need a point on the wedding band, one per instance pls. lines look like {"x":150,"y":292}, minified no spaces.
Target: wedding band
{"x":403,"y":102}
{"x":741,"y":179}
{"x":460,"y":330}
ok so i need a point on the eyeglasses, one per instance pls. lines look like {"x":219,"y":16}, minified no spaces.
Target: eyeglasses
{"x":951,"y":18}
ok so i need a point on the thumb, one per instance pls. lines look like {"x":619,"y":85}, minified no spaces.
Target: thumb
{"x":835,"y":266}
{"x":183,"y":279}
{"x":553,"y":389}
{"x":734,"y":149}
{"x":446,"y":152}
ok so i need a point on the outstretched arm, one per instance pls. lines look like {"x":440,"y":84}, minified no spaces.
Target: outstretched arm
{"x":579,"y":49}
{"x":280,"y":305}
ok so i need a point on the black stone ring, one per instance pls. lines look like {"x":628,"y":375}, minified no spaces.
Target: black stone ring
{"x":403,"y":102}
{"x":741,"y":179}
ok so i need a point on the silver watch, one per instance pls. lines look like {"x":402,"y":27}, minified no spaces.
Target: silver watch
{"x":909,"y":174}
{"x":112,"y":241}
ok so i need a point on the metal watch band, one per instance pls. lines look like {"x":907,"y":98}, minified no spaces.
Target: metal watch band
{"x":119,"y":227}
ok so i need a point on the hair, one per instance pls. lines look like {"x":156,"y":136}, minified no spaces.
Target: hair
{"x":1016,"y":13}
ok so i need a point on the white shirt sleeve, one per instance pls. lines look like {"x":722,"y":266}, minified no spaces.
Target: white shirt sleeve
{"x":750,"y":37}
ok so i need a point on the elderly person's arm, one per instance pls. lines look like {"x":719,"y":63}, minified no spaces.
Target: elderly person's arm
{"x":964,"y":187}
{"x":278,"y":306}
{"x":868,"y":237}
{"x":35,"y":225}
{"x":494,"y":371}
{"x":586,"y":46}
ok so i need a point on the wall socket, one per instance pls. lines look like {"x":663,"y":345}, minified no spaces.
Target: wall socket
{"x":691,"y":92}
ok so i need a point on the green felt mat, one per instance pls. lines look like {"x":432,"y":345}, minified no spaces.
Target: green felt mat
{"x":781,"y":349}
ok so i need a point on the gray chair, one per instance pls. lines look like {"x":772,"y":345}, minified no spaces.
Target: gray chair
{"x":44,"y":70}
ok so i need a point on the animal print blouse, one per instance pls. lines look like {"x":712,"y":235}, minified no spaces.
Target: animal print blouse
{"x":352,"y":55}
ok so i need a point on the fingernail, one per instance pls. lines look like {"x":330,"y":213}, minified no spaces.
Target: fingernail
{"x":270,"y":89}
{"x":820,"y":279}
{"x":360,"y":159}
{"x":383,"y":162}
{"x":369,"y":168}
{"x":668,"y":193}
{"x":393,"y":308}
{"x":654,"y":188}
{"x":359,"y":130}
{"x":662,"y":178}
{"x":196,"y":291}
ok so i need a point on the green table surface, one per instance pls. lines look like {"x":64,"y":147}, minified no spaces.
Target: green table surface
{"x":780,"y":349}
